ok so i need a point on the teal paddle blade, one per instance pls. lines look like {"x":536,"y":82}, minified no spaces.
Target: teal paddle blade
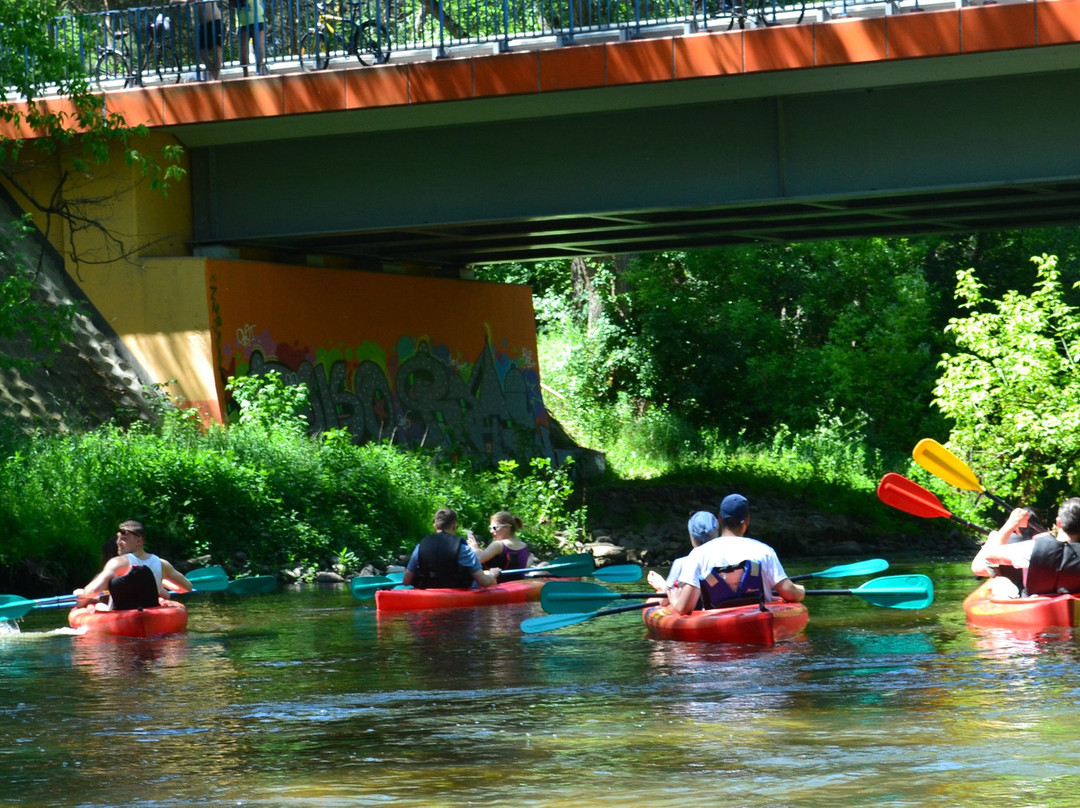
{"x":574,"y":597}
{"x":12,"y":607}
{"x":898,"y":592}
{"x":857,"y":568}
{"x":364,"y":587}
{"x":892,"y":592}
{"x":256,"y":585}
{"x":209,"y":579}
{"x":619,"y":573}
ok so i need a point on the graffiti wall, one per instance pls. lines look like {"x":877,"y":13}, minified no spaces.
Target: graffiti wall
{"x":424,"y":361}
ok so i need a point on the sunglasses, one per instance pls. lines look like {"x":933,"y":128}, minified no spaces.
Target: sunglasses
{"x":127,"y":532}
{"x":495,"y":528}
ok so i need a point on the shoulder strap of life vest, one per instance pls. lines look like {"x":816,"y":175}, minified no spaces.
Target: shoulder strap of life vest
{"x":734,"y":585}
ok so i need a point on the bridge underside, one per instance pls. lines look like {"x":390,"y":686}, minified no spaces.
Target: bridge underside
{"x":927,"y":146}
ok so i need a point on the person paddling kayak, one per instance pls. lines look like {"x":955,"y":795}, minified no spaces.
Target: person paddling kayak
{"x":506,"y":551}
{"x":732,"y":566}
{"x":444,"y":560}
{"x":134,"y":578}
{"x":1050,"y":564}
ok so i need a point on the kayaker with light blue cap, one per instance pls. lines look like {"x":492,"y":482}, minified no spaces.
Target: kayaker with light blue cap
{"x":732,"y":567}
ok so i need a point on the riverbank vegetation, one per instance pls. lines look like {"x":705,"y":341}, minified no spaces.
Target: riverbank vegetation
{"x":259,"y":495}
{"x":798,"y":372}
{"x":808,"y":370}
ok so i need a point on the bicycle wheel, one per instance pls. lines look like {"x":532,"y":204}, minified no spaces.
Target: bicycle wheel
{"x":315,"y":50}
{"x":111,"y":65}
{"x":367,"y":39}
{"x":168,"y":65}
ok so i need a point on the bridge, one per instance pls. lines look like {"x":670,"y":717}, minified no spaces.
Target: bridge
{"x":895,"y":120}
{"x":925,"y":121}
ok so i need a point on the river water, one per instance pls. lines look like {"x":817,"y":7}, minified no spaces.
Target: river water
{"x":309,"y":698}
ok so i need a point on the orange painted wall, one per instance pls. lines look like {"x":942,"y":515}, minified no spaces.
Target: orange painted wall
{"x":426,"y":360}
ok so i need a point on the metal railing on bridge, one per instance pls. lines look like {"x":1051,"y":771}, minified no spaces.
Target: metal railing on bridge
{"x":172,"y":42}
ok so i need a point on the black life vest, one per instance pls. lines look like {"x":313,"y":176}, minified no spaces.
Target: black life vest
{"x":135,"y":589}
{"x":1055,"y":566}
{"x":733,"y":585}
{"x":437,"y":563}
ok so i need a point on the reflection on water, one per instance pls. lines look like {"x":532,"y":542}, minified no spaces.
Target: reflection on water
{"x":308,"y":699}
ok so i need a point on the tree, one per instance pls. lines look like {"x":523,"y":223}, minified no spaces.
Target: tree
{"x":1012,"y":386}
{"x":49,"y":112}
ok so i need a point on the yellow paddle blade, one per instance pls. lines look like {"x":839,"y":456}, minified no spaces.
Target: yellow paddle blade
{"x":942,"y":463}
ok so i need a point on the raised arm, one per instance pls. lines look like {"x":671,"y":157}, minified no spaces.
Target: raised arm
{"x":988,"y":554}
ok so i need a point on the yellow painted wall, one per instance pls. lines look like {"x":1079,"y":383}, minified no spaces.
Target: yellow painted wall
{"x":141,"y":279}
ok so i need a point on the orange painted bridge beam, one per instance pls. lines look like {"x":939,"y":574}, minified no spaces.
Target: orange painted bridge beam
{"x":924,"y":35}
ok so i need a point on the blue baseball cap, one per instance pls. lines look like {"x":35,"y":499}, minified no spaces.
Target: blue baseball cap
{"x":734,"y":508}
{"x":703,"y":526}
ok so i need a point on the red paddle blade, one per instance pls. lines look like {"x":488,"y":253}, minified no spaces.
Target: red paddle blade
{"x":910,"y":497}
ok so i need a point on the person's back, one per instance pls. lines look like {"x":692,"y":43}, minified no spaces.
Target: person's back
{"x":437,"y":563}
{"x":734,"y":567}
{"x":135,"y":589}
{"x":1049,"y":565}
{"x":1054,"y":567}
{"x":444,"y":560}
{"x":722,"y":555}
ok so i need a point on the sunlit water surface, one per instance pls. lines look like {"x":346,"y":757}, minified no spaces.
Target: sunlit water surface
{"x":312,"y":699}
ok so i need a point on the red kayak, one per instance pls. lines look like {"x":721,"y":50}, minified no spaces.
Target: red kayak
{"x":1039,"y":611}
{"x":414,"y":600}
{"x":746,"y":625}
{"x":168,"y":618}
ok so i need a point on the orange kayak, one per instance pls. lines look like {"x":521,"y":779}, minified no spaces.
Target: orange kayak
{"x":745,"y":625}
{"x":1040,"y":611}
{"x":413,"y":600}
{"x":168,"y":618}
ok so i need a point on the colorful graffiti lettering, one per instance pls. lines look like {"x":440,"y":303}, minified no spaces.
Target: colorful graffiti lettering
{"x":427,"y":403}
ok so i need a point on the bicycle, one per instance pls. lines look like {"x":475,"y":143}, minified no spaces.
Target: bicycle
{"x":327,"y":38}
{"x":758,"y":12}
{"x":158,"y":55}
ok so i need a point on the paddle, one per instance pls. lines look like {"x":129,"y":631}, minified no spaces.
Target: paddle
{"x":942,"y":463}
{"x":568,"y":597}
{"x":910,"y":497}
{"x":618,"y":573}
{"x":892,"y":592}
{"x":208,"y":579}
{"x":554,"y":621}
{"x":12,"y":607}
{"x":255,"y":585}
{"x":576,"y":597}
{"x":570,"y":566}
{"x":364,"y":587}
{"x":847,"y":570}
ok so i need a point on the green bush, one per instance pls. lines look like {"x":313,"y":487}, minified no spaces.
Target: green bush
{"x":259,"y":495}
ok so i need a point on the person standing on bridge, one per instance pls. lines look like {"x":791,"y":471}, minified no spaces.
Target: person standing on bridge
{"x":251,"y":25}
{"x":209,"y":34}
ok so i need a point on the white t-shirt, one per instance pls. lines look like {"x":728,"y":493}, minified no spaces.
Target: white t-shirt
{"x":1018,"y":553}
{"x":676,"y":568}
{"x":726,"y":551}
